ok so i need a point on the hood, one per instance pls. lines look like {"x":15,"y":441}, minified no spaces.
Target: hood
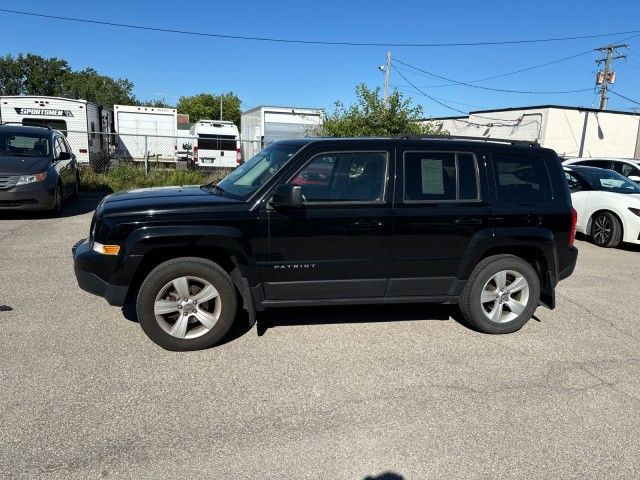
{"x":161,"y":199}
{"x":23,"y":165}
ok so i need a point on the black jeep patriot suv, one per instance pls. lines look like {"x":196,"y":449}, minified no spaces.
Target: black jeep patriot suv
{"x":485,"y":224}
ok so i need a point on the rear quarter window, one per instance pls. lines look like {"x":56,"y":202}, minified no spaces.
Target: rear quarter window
{"x":521,"y":178}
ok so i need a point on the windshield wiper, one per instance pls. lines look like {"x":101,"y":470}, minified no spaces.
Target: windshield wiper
{"x":213,"y":186}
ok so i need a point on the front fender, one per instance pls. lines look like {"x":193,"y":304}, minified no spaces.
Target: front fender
{"x":146,"y":239}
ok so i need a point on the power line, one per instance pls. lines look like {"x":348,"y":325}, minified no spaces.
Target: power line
{"x":427,"y":95}
{"x":481,"y":87}
{"x":313,"y":42}
{"x":622,"y":96}
{"x":439,"y":102}
{"x":411,"y":89}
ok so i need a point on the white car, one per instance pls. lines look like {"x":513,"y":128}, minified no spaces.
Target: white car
{"x":608,"y":205}
{"x":629,"y":167}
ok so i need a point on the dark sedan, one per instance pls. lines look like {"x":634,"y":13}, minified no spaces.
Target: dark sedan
{"x":38,"y":170}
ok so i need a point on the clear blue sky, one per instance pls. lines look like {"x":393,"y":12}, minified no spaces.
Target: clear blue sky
{"x":170,"y":65}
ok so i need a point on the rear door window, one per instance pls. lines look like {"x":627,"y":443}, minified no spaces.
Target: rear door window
{"x":440,"y":177}
{"x":521,"y":178}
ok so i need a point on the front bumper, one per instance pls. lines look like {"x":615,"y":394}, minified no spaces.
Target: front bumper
{"x":28,"y":197}
{"x":90,"y":267}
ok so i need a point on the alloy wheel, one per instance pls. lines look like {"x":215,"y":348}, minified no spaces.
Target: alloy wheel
{"x":504,"y":296}
{"x":601,"y":230}
{"x":187,"y":307}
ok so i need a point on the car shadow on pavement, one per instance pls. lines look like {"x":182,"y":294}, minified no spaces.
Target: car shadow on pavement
{"x":296,"y":316}
{"x":385,"y":476}
{"x":283,"y":317}
{"x":628,"y":247}
{"x":87,"y":202}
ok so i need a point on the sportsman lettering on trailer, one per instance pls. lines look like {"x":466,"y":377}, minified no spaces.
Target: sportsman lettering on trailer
{"x":48,"y":112}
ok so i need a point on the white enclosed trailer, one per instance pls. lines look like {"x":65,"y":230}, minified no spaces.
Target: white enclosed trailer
{"x":216,"y":143}
{"x":264,"y":125}
{"x":82,"y":122}
{"x":145,"y":130}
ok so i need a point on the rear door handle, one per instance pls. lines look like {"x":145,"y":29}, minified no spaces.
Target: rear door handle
{"x":468,"y":221}
{"x":368,"y":224}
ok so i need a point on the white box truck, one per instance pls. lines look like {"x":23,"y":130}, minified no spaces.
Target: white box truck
{"x":147,"y":130}
{"x":83,"y":123}
{"x":263,"y":125}
{"x":216,"y":144}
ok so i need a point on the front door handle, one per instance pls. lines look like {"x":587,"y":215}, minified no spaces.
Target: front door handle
{"x":468,"y":221}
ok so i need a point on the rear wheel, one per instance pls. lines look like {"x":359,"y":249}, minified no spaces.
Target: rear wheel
{"x":606,"y":230}
{"x":501,"y":294}
{"x":187,"y":303}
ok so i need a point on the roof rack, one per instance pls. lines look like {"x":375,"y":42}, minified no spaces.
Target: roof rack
{"x":526,"y":143}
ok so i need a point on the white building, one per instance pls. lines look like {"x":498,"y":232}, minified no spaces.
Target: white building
{"x":83,"y":123}
{"x":570,"y":131}
{"x":263,"y":125}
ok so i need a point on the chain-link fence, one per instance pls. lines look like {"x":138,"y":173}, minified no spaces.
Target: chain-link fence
{"x":102,"y":151}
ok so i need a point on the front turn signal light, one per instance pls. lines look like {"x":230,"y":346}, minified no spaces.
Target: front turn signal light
{"x":106,"y":249}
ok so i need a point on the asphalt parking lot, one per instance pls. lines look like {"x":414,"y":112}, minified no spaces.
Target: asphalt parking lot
{"x":338,"y":393}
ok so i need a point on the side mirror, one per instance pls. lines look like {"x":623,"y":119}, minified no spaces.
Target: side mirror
{"x":287,"y":196}
{"x":634,"y":178}
{"x":64,"y":156}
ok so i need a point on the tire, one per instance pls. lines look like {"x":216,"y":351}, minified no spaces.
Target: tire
{"x":483,"y":284}
{"x":56,"y":210}
{"x":606,"y":230}
{"x":76,"y":188}
{"x":178,"y":327}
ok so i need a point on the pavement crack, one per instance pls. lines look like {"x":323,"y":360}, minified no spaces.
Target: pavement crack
{"x":599,"y":317}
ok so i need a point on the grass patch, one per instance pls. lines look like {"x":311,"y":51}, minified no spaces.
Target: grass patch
{"x":125,"y":176}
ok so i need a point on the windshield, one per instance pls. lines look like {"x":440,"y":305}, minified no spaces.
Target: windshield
{"x":608,"y":181}
{"x":24,"y":145}
{"x":251,"y":175}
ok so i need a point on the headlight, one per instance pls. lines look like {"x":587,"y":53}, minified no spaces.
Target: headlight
{"x":25,"y":179}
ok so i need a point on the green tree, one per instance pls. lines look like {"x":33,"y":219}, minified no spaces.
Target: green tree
{"x":155,"y":103}
{"x":369,"y":116}
{"x":32,"y":75}
{"x":206,"y":105}
{"x":101,"y":89}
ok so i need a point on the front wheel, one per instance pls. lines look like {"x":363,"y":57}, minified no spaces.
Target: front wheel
{"x":606,"y":230}
{"x":187,"y":303}
{"x":56,"y":210}
{"x":501,"y":294}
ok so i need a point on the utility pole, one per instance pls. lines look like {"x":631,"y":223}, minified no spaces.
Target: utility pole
{"x":387,"y":68}
{"x":220,"y":107}
{"x":607,"y":74}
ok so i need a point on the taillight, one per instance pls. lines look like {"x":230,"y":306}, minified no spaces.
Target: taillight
{"x":195,"y":153}
{"x":574,"y":223}
{"x":238,"y":156}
